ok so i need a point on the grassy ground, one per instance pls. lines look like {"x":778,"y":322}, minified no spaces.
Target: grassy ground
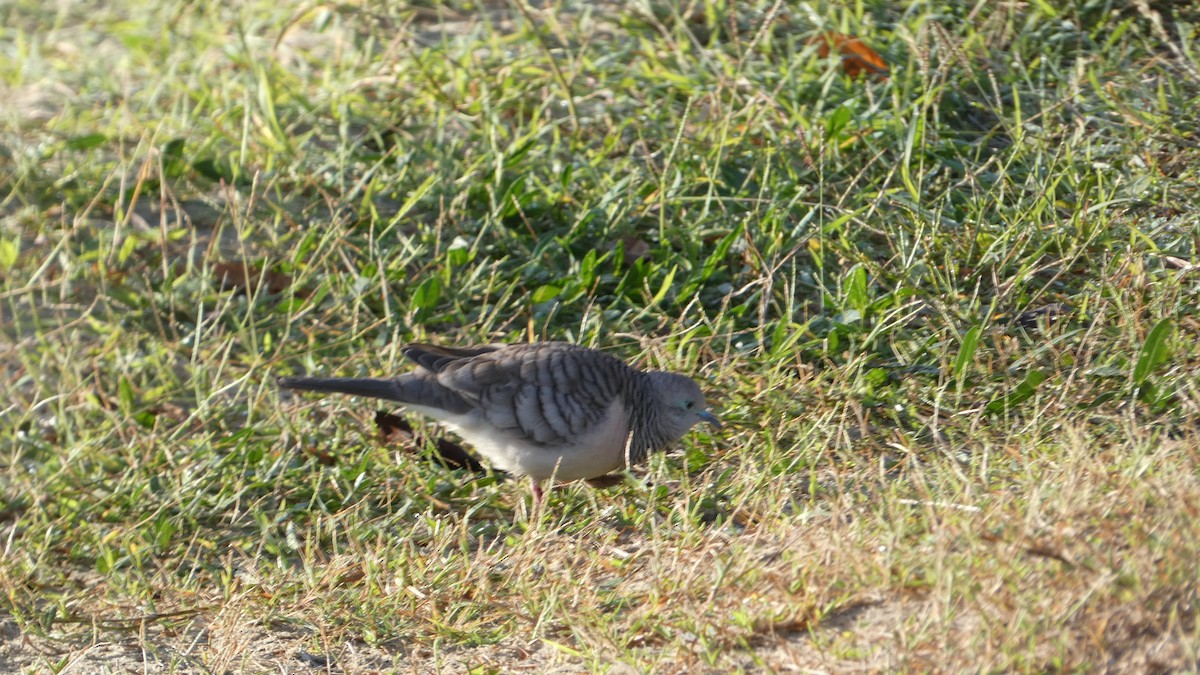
{"x":949,"y":317}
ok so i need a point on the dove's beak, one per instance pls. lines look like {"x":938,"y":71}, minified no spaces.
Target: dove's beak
{"x":710,"y":418}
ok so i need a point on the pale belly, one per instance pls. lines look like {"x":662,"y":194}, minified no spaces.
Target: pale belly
{"x":595,"y":453}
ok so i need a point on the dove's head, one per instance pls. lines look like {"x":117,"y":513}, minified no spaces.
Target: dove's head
{"x":682,"y":403}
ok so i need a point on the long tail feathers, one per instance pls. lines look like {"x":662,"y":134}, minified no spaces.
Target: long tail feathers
{"x":388,"y":389}
{"x":409,"y":389}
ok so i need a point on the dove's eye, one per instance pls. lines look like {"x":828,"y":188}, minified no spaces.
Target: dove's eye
{"x":688,"y":405}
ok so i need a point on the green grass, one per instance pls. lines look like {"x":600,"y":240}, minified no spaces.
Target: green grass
{"x":919,"y":471}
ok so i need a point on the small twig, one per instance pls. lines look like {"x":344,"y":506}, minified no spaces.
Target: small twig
{"x":944,"y":505}
{"x":133,"y":620}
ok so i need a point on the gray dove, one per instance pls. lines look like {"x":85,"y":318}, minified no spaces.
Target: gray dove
{"x":539,"y":409}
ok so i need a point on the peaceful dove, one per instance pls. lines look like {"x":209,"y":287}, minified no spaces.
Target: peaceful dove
{"x":540,"y":409}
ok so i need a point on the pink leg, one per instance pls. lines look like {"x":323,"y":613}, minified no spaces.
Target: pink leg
{"x":537,"y":493}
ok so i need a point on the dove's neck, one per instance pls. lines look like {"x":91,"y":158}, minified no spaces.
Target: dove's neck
{"x":649,"y":430}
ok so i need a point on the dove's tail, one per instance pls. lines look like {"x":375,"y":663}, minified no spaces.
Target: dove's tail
{"x":390,"y":389}
{"x":412,"y":390}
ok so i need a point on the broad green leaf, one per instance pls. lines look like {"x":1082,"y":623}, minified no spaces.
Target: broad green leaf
{"x":856,"y":288}
{"x":515,"y":198}
{"x":172,"y":158}
{"x":288,"y":306}
{"x":587,"y":269}
{"x":837,"y":121}
{"x":164,"y":530}
{"x":145,"y":419}
{"x":1020,"y":394}
{"x":127,"y":248}
{"x":546,"y":293}
{"x":427,"y":295}
{"x":1154,"y":352}
{"x":214,"y":170}
{"x":8,"y":252}
{"x":86,"y":142}
{"x":173,"y":148}
{"x":457,"y":257}
{"x":966,"y":353}
{"x":125,"y":393}
{"x":717,"y":257}
{"x":666,"y":286}
{"x":1148,"y":393}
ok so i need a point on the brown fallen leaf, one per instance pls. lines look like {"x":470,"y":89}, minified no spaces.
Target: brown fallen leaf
{"x":634,"y":248}
{"x":1047,"y":550}
{"x":394,"y":429}
{"x":169,"y":410}
{"x":857,"y":57}
{"x":322,"y":457}
{"x":247,"y":278}
{"x":353,"y":575}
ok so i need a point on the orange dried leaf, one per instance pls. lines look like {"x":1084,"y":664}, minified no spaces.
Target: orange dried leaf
{"x":857,"y":57}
